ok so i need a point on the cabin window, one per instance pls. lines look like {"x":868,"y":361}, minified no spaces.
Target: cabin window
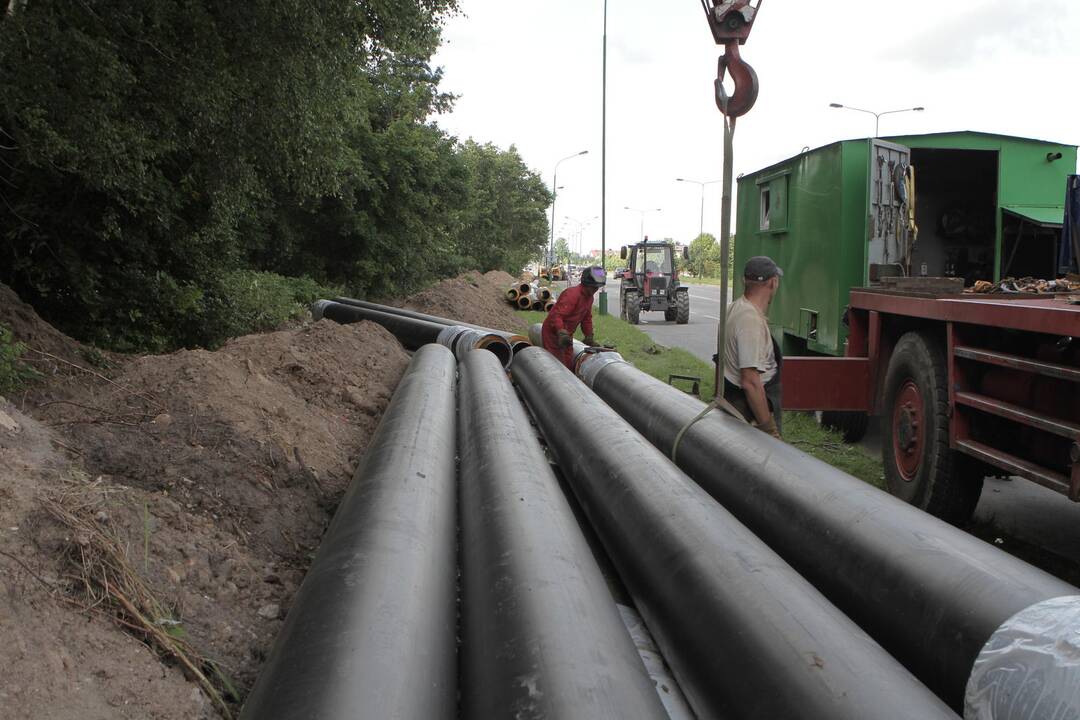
{"x":773,"y":204}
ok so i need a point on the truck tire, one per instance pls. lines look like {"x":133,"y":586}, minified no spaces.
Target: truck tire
{"x":682,"y":307}
{"x":633,"y":308}
{"x":920,"y":468}
{"x":622,"y":306}
{"x":670,"y":313}
{"x":851,"y":424}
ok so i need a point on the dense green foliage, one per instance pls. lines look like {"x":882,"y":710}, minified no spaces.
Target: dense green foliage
{"x":704,"y":256}
{"x":152,"y":152}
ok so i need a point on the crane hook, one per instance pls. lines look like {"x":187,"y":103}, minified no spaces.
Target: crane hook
{"x":742,"y":75}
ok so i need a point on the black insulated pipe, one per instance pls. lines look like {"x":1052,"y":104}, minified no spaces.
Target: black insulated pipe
{"x":541,"y":636}
{"x":413,"y":333}
{"x":516,"y":342}
{"x":931,"y":594}
{"x":372,"y":630}
{"x":746,"y":636}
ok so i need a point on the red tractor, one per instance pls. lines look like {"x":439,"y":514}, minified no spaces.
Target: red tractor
{"x":651,"y":282}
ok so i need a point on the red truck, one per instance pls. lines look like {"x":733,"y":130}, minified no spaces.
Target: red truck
{"x":964,"y":386}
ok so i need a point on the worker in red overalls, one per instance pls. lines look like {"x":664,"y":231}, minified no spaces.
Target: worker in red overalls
{"x":573,"y":308}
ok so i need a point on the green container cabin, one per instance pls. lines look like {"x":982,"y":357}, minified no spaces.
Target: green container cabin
{"x":985,"y":207}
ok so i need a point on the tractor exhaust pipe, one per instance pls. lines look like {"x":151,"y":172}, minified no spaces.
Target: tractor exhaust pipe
{"x":373,"y":625}
{"x":534,"y":602}
{"x":746,"y":636}
{"x":931,"y":594}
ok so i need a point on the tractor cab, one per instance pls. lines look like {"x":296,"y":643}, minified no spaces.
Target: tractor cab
{"x":651,"y":283}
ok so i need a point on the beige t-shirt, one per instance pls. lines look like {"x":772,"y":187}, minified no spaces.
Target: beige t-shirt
{"x":747,"y":342}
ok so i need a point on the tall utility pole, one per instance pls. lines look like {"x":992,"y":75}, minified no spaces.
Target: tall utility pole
{"x":603,"y":172}
{"x":554,"y":197}
{"x":701,"y":230}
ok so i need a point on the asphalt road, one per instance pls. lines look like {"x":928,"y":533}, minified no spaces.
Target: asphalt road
{"x":698,"y":336}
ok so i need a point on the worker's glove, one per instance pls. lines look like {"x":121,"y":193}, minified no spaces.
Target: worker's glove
{"x":565,"y":339}
{"x":590,"y":341}
{"x":769,"y":426}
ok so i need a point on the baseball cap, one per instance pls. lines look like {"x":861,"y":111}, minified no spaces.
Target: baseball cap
{"x":761,"y":268}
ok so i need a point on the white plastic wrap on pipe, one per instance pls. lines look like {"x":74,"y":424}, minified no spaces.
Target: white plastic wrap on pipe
{"x":590,"y":368}
{"x":1030,"y":667}
{"x":670,"y":693}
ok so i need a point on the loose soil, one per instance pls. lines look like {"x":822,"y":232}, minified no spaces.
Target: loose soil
{"x":471,"y":297}
{"x":199,"y":484}
{"x":214,"y":473}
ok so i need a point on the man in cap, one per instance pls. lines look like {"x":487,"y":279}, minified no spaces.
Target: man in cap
{"x":573,"y":308}
{"x":752,"y":359}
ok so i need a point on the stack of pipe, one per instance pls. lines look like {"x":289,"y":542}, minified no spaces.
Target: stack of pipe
{"x":978,"y":626}
{"x":525,"y":296}
{"x":413,"y":333}
{"x":746,"y":635}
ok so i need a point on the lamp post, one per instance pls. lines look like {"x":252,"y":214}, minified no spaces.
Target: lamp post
{"x":579,"y":232}
{"x":554,"y":196}
{"x":603,"y":172}
{"x":701,"y":230}
{"x":641,"y":230}
{"x":877,"y":115}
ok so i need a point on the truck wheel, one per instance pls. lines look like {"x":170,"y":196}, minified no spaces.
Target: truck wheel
{"x":633,"y":308}
{"x":622,"y":307}
{"x":670,"y":313}
{"x":682,"y":307}
{"x":919,"y":466}
{"x":851,"y":424}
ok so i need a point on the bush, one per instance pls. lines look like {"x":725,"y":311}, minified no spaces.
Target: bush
{"x":246,"y":301}
{"x":13,"y":373}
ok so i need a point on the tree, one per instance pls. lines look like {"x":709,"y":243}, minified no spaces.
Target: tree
{"x":148,"y":147}
{"x":504,"y":221}
{"x":704,"y":256}
{"x":562,"y":250}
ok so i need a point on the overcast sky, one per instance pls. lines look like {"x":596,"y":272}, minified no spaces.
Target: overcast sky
{"x":529,"y":74}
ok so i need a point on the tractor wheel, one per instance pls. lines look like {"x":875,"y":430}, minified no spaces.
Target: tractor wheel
{"x":670,"y":313}
{"x":851,"y":424}
{"x":920,"y":468}
{"x":622,"y":307}
{"x":633,"y":308}
{"x":682,"y":307}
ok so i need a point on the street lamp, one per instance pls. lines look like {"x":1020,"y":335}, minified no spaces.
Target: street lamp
{"x":554,"y":196}
{"x":877,"y":115}
{"x":701,"y":230}
{"x":641,"y":231}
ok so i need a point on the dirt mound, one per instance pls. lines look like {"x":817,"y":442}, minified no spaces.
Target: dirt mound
{"x":472,"y":298}
{"x":60,"y":663}
{"x":48,"y":350}
{"x":212,"y":475}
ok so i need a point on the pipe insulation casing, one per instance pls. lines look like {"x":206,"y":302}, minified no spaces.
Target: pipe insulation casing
{"x":746,"y":636}
{"x":372,"y":630}
{"x":413,"y":333}
{"x":541,"y":635}
{"x":931,"y":594}
{"x":1030,"y":667}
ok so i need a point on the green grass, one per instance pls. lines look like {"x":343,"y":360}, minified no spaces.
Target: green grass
{"x":800,"y":429}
